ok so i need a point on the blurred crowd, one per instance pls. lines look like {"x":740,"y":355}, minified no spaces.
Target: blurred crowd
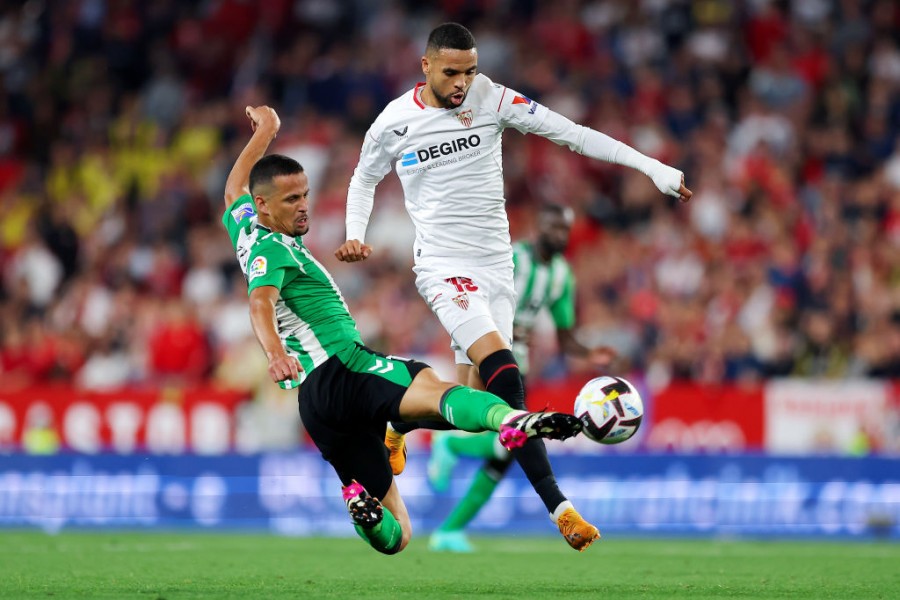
{"x":120,"y":119}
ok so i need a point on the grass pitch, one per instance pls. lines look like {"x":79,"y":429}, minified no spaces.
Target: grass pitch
{"x":171,"y":566}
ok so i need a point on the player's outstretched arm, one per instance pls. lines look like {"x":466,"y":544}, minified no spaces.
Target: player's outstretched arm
{"x":265,"y":124}
{"x":597,"y":145}
{"x":374,"y":163}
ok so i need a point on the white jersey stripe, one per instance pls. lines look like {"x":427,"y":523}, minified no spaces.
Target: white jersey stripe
{"x":290,"y":250}
{"x":558,"y":271}
{"x":292,"y":326}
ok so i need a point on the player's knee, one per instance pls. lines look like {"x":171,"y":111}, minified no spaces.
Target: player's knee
{"x":404,"y":540}
{"x":500,"y":374}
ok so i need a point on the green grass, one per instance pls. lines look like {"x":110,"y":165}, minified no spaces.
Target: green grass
{"x":172,"y":566}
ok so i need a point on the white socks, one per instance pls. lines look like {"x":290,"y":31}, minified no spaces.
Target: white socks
{"x":563,"y":507}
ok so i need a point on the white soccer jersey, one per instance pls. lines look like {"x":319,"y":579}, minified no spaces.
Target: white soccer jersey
{"x":449,"y":162}
{"x":450,"y":165}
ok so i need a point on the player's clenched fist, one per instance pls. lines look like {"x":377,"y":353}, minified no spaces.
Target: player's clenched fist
{"x":263,"y":116}
{"x":283,"y":367}
{"x":353,"y":251}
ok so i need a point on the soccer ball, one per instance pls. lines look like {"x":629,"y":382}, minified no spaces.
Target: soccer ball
{"x":610,"y":409}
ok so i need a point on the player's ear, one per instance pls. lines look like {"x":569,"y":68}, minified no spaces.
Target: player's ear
{"x":426,"y":66}
{"x":261,"y":207}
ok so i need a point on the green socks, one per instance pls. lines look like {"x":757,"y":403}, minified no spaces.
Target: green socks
{"x":473,"y":410}
{"x":479,"y":445}
{"x":384,"y":537}
{"x":477,"y":496}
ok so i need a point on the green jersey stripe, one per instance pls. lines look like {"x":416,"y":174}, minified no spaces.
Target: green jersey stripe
{"x":327,"y":275}
{"x":313,"y":321}
{"x":521,"y":269}
{"x":540,"y":286}
{"x":290,"y":251}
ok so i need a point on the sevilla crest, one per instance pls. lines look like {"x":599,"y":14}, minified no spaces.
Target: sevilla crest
{"x":462,"y":301}
{"x":465,"y":117}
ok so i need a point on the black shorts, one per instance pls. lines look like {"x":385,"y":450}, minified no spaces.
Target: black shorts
{"x":345,"y":404}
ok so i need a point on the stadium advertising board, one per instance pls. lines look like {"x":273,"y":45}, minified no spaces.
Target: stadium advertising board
{"x":807,"y":416}
{"x":298,"y":494}
{"x":690,"y":417}
{"x":781,"y":417}
{"x":156,"y":421}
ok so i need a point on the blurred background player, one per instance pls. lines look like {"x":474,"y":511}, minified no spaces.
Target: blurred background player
{"x":543,"y":280}
{"x":349,"y":392}
{"x":444,"y":137}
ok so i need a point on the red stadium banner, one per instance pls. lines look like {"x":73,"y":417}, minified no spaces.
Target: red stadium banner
{"x":684,"y":417}
{"x":158,"y":421}
{"x":690,"y":417}
{"x":553,"y":395}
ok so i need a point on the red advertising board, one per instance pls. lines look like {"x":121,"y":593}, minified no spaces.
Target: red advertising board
{"x":684,"y":417}
{"x":160,"y":421}
{"x":554,"y":395}
{"x":691,"y":417}
{"x":780,"y":416}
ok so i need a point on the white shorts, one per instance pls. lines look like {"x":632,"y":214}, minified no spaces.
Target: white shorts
{"x":469,"y":302}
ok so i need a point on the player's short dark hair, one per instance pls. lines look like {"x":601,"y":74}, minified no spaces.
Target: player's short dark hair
{"x":269,"y":167}
{"x":452,"y":36}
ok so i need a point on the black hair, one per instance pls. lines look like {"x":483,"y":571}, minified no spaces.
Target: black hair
{"x":269,"y":167}
{"x":450,"y":35}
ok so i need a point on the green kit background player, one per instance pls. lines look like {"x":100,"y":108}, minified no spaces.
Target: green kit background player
{"x":543,"y":281}
{"x":348,"y":392}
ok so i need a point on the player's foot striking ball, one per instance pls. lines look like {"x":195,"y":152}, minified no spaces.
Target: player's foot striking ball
{"x":517,"y":429}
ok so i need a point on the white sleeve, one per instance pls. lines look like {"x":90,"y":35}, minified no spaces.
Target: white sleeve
{"x":373,"y":165}
{"x":600,"y":146}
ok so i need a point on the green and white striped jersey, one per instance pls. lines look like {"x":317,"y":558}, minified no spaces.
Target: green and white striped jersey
{"x":313,"y":320}
{"x":539,"y":286}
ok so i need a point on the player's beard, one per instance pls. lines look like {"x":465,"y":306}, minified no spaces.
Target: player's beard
{"x":445,"y":100}
{"x":550,"y":248}
{"x":297,"y":228}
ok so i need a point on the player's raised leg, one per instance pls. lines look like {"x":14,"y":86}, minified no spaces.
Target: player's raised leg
{"x":474,"y":410}
{"x":498,"y":369}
